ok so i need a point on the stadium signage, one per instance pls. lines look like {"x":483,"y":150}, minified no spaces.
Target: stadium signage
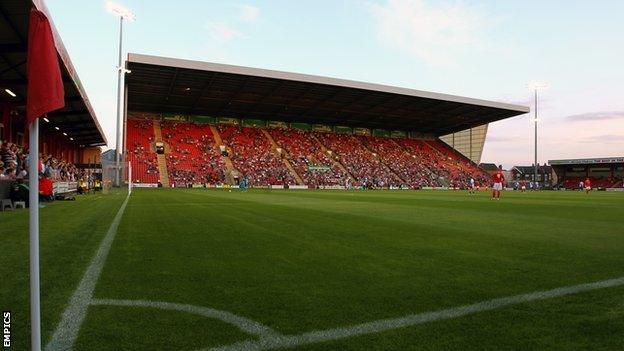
{"x":321,"y":128}
{"x":298,"y":187}
{"x":174,"y":117}
{"x":398,"y":134}
{"x":300,"y":125}
{"x":144,"y":185}
{"x":381,"y":133}
{"x":277,"y":124}
{"x":253,"y":123}
{"x":64,"y":187}
{"x":332,"y":187}
{"x":587,"y":161}
{"x":361,"y":131}
{"x":343,"y":130}
{"x":203,"y":119}
{"x":227,"y":120}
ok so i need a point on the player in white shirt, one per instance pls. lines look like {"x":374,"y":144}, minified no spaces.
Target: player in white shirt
{"x":472,"y":188}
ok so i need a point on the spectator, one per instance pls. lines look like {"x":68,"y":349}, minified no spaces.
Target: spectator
{"x":46,"y":192}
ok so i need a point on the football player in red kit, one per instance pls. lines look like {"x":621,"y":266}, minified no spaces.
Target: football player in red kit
{"x":498,"y":179}
{"x":587,"y":184}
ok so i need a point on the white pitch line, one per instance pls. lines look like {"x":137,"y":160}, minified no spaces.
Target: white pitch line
{"x":318,"y":336}
{"x":67,"y":330}
{"x":244,"y":324}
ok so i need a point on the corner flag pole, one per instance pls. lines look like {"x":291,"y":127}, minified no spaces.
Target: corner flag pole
{"x":45,"y":93}
{"x":33,"y":227}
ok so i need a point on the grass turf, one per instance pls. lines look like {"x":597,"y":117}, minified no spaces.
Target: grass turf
{"x":299,"y":261}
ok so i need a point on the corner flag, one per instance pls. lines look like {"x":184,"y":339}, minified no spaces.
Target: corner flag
{"x":45,"y":93}
{"x":45,"y":84}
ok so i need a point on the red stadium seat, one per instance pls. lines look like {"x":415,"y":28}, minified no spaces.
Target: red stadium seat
{"x":139,"y":151}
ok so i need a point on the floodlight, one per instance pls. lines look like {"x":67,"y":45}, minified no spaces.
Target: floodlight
{"x":120,"y":11}
{"x":537,"y":85}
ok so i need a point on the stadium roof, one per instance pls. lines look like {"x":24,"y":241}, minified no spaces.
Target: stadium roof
{"x":586,"y":161}
{"x":488,"y":166}
{"x":169,"y":85}
{"x":77,"y":119}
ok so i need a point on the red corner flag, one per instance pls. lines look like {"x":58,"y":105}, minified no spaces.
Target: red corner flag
{"x":45,"y":84}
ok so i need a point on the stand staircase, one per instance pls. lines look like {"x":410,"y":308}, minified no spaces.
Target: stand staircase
{"x":285,"y":160}
{"x":412,"y":155}
{"x":230,"y":171}
{"x":161,"y":158}
{"x":380,"y":161}
{"x":336,"y":162}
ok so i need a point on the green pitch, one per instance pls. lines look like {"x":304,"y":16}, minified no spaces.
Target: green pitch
{"x":311,"y":261}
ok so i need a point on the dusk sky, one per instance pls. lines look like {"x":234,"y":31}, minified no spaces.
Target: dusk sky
{"x":482,"y":49}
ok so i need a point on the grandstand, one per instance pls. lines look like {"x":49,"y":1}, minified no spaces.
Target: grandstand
{"x":218,"y":123}
{"x":604,"y":173}
{"x":70,"y":138}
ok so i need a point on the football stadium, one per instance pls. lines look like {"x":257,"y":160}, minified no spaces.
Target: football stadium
{"x":255,"y":209}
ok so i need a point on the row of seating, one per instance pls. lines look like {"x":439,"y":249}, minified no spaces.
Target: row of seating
{"x":305,"y":153}
{"x":252,"y":155}
{"x":139,"y":153}
{"x":459,"y":168}
{"x":365,"y":166}
{"x":608,"y":182}
{"x":318,"y":158}
{"x":192,"y":156}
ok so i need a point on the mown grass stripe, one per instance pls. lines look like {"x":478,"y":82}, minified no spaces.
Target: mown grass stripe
{"x":66,"y":331}
{"x":378,"y":326}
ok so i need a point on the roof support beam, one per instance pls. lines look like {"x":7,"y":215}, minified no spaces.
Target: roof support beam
{"x":290,"y":102}
{"x":23,"y":81}
{"x":233,"y":96}
{"x":12,"y":67}
{"x":173,"y":80}
{"x":68,"y":113}
{"x":12,"y":48}
{"x":319,"y":104}
{"x":203,"y":90}
{"x":363,"y":96}
{"x":273,"y":90}
{"x":7,"y":20}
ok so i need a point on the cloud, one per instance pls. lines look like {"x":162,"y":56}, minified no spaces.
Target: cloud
{"x":249,"y":13}
{"x":502,"y":139}
{"x":596,"y":116}
{"x":605,"y":138}
{"x":434,"y":32}
{"x":221,"y":32}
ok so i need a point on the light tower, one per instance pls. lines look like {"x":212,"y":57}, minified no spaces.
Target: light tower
{"x":124,"y":14}
{"x":535,"y":86}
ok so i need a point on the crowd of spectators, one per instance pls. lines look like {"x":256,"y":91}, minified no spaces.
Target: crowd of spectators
{"x":14,"y":165}
{"x":14,"y":169}
{"x":192,"y":156}
{"x":458,"y":169}
{"x":252,"y":155}
{"x":411,"y":168}
{"x":364,"y":165}
{"x":314,"y":166}
{"x":318,"y":158}
{"x":143,"y":160}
